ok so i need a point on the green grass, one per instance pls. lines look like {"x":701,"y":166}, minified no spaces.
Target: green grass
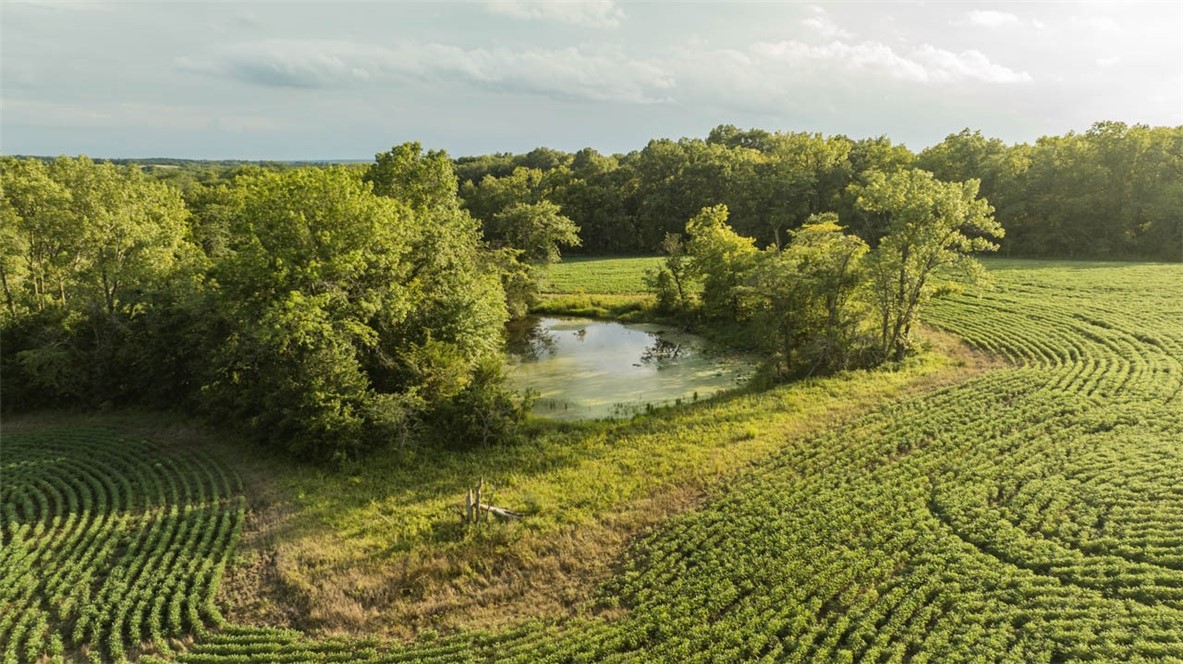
{"x":601,"y":276}
{"x":572,"y":473}
{"x":616,"y":307}
{"x":1032,"y":512}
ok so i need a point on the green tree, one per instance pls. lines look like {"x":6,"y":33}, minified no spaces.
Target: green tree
{"x":538,"y":230}
{"x":670,"y":283}
{"x":529,"y":236}
{"x":458,"y":296}
{"x":421,"y":180}
{"x":933,"y":228}
{"x":88,"y":249}
{"x":721,"y":258}
{"x":808,"y":310}
{"x":339,"y":330}
{"x":42,"y":240}
{"x":134,"y":231}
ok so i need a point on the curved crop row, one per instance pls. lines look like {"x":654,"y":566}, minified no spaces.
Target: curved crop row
{"x":110,"y":546}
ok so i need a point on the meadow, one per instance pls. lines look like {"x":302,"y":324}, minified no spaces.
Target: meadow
{"x":601,"y":276}
{"x":1023,"y":508}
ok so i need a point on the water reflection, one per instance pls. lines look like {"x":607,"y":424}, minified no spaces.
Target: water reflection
{"x":585,"y":369}
{"x":661,"y":352}
{"x":529,"y":341}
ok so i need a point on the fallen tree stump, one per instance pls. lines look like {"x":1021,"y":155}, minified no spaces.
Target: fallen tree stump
{"x":476,"y":510}
{"x":501,"y":512}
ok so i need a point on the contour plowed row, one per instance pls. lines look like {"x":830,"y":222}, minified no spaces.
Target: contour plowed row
{"x":110,"y":546}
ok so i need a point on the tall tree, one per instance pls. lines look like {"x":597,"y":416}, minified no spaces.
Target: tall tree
{"x":808,"y":309}
{"x":932,"y":227}
{"x":721,"y":258}
{"x":421,"y":180}
{"x":338,"y":331}
{"x":529,"y":237}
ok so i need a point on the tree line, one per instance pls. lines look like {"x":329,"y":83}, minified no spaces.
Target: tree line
{"x":1114,"y":191}
{"x":325,"y":310}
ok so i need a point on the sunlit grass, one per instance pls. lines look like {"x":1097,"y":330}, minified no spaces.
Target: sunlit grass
{"x":572,"y":473}
{"x":617,"y":276}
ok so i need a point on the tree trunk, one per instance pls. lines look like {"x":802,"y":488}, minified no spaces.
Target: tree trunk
{"x":7,"y":292}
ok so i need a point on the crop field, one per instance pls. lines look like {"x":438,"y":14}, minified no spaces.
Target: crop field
{"x":109,"y":546}
{"x":1033,"y":513}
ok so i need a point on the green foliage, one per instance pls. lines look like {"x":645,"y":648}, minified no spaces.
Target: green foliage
{"x":87,"y":237}
{"x":661,"y":283}
{"x":1112,"y":191}
{"x":810,"y":310}
{"x":88,"y":247}
{"x":422,"y":181}
{"x":671,"y":282}
{"x":482,"y":412}
{"x":526,"y":238}
{"x":538,"y":230}
{"x":334,"y":297}
{"x":721,"y":259}
{"x":931,"y":227}
{"x":1109,"y":192}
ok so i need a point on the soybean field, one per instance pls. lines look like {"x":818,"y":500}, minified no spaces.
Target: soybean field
{"x":110,"y":546}
{"x":1033,"y":513}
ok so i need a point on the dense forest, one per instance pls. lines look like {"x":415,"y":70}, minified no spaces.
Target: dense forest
{"x":332,"y":309}
{"x":1114,"y":191}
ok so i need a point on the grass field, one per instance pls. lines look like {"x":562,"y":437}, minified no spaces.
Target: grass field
{"x":1029,"y":511}
{"x":601,"y":276}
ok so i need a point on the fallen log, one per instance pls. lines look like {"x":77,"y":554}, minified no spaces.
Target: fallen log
{"x":501,"y":512}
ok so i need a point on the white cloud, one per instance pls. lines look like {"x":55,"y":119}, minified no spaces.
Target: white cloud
{"x":927,"y":64}
{"x":1109,"y":61}
{"x":989,"y":18}
{"x":593,"y":13}
{"x":823,"y":25}
{"x":817,"y":83}
{"x":946,"y":66}
{"x":571,"y":73}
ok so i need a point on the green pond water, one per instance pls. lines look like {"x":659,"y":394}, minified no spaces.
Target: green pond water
{"x":583,"y":368}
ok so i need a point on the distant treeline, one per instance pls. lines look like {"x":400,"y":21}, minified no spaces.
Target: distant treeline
{"x":1114,"y":191}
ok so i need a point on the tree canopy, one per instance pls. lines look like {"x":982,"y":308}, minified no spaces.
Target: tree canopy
{"x":297,"y":304}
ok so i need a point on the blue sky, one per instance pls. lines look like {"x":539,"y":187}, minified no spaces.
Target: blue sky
{"x":270,"y":80}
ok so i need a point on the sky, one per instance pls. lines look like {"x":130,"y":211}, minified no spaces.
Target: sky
{"x":311,"y":80}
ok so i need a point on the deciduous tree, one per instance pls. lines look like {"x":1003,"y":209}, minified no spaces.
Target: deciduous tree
{"x":933,"y":227}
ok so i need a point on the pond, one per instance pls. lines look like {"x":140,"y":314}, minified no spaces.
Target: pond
{"x":583,"y":368}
